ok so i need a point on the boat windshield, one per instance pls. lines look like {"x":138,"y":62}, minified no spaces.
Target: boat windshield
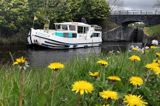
{"x":61,"y":27}
{"x":65,"y":27}
{"x":72,"y":27}
{"x":58,"y":27}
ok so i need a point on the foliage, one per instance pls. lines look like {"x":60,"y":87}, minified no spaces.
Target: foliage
{"x":18,"y":15}
{"x":13,"y":15}
{"x":73,"y":10}
{"x":94,"y":9}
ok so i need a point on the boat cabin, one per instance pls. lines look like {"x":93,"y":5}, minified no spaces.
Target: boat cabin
{"x":76,"y":29}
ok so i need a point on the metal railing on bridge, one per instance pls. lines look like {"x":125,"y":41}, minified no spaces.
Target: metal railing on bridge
{"x":135,"y":12}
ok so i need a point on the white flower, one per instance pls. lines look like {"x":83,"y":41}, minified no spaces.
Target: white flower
{"x":146,"y":47}
{"x":111,"y":52}
{"x":132,"y":46}
{"x":154,"y":42}
{"x":118,"y":51}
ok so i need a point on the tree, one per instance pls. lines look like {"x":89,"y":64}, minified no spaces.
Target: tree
{"x":18,"y":15}
{"x":94,"y":10}
{"x":13,"y":14}
{"x":70,"y":10}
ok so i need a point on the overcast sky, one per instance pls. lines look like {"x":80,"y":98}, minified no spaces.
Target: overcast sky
{"x":134,"y":4}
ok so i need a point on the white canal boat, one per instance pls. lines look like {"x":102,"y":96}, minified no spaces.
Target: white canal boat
{"x":67,"y":35}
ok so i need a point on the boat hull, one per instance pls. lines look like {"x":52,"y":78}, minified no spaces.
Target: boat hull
{"x":53,"y":42}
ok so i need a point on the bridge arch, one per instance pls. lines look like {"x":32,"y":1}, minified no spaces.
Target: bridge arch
{"x":132,"y":20}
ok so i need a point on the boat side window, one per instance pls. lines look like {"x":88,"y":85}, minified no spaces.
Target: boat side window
{"x":65,"y":35}
{"x":64,"y":27}
{"x":58,"y":27}
{"x":69,"y":35}
{"x":80,"y":29}
{"x":74,"y":35}
{"x":86,"y":29}
{"x":72,"y":28}
{"x":95,"y":35}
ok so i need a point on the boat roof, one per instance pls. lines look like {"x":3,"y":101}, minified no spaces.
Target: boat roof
{"x":74,"y":23}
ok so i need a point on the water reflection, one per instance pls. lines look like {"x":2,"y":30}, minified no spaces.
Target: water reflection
{"x":112,"y":46}
{"x":42,"y":57}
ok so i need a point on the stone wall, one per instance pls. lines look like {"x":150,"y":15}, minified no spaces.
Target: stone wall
{"x":124,"y":34}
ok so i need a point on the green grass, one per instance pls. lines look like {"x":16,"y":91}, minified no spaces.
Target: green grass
{"x":39,"y":82}
{"x":153,"y":30}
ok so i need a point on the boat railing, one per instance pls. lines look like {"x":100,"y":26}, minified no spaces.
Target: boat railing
{"x":96,"y":27}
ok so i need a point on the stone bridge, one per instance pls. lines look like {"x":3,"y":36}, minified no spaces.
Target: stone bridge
{"x":125,"y":17}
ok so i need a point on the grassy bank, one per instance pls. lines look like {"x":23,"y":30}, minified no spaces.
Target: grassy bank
{"x":44,"y":87}
{"x":152,"y":30}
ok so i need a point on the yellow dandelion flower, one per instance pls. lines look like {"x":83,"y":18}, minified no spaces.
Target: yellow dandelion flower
{"x":55,"y":66}
{"x":135,"y":49}
{"x":82,"y":87}
{"x":135,"y":58}
{"x":20,"y":61}
{"x":158,"y":54}
{"x":157,"y":61}
{"x":153,"y":47}
{"x":156,"y":70}
{"x":136,"y":81}
{"x":94,"y":74}
{"x":114,"y":78}
{"x":152,"y":65}
{"x":107,"y":94}
{"x":102,"y":62}
{"x":134,"y":100}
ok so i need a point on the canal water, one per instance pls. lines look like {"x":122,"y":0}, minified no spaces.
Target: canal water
{"x":42,"y":57}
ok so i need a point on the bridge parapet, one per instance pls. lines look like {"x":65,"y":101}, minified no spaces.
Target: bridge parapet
{"x":126,"y":17}
{"x":135,"y":12}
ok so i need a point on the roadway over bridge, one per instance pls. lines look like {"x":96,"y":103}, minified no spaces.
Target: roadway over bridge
{"x":125,"y":17}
